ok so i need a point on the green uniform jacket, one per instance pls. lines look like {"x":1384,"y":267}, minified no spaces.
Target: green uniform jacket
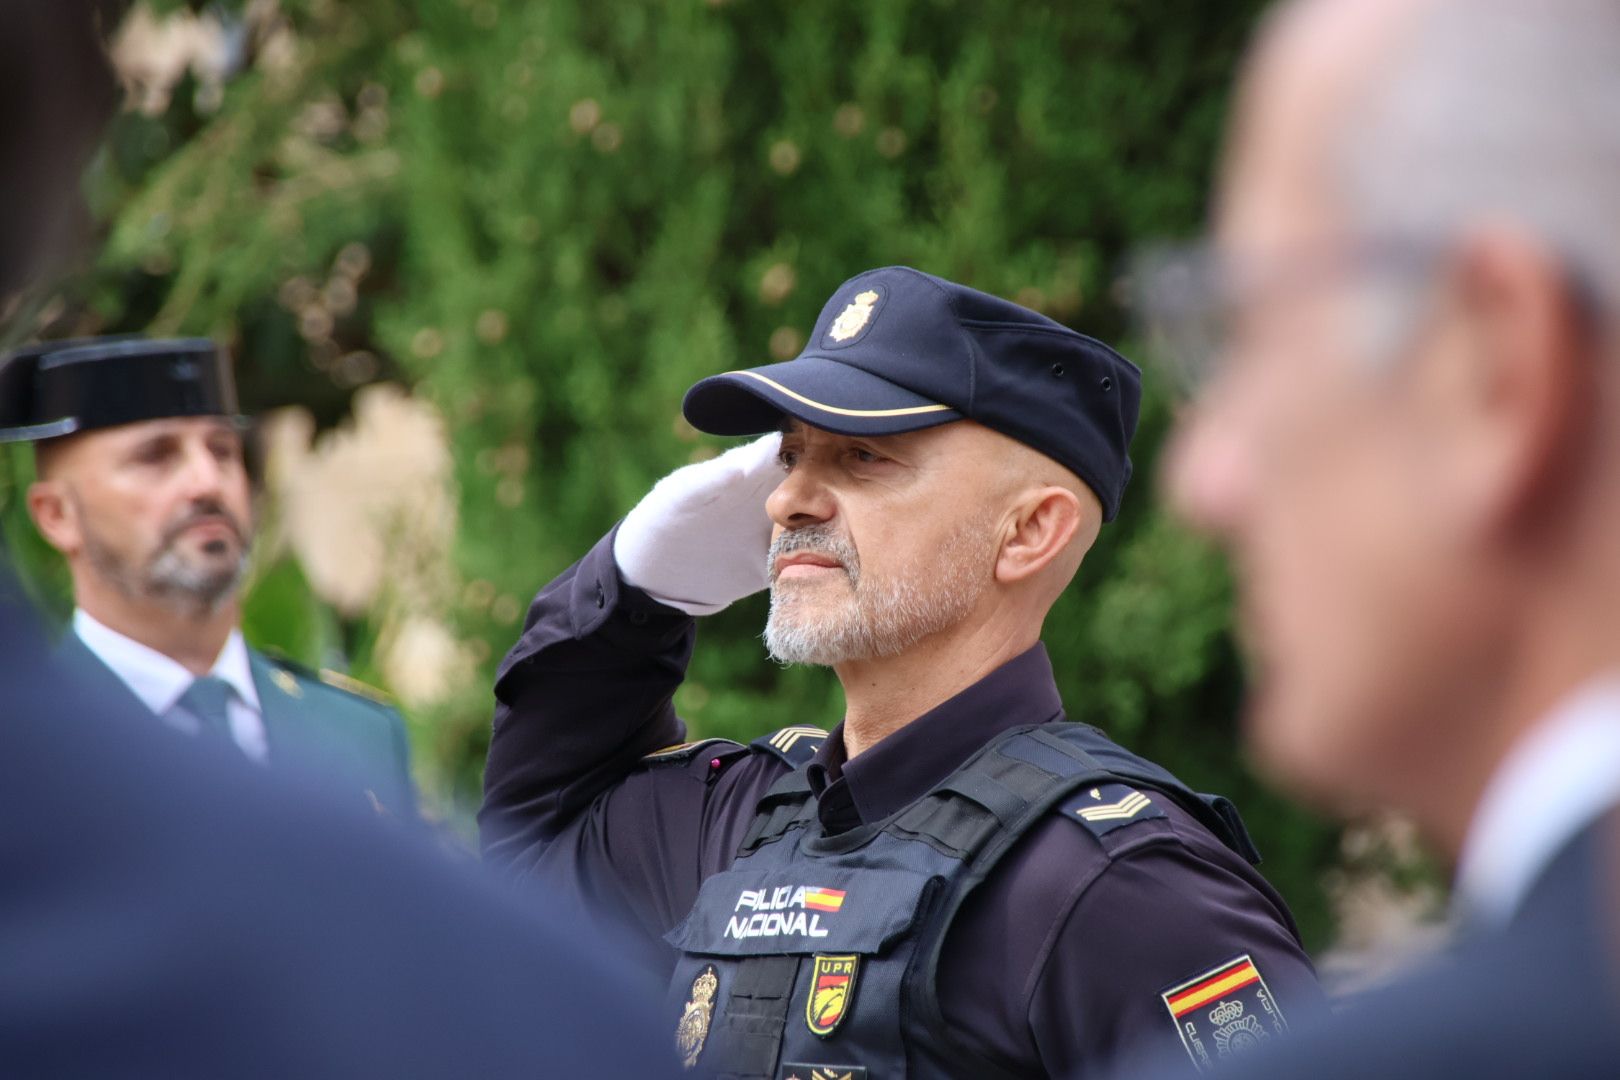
{"x":356,"y":742}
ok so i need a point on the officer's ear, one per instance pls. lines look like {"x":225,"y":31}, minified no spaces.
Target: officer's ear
{"x":1041,"y":533}
{"x":55,"y":514}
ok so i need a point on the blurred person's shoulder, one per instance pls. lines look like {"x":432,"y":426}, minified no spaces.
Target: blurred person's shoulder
{"x":189,"y":884}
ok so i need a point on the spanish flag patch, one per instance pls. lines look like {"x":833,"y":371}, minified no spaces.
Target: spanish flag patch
{"x":823,"y":899}
{"x":1224,"y":1012}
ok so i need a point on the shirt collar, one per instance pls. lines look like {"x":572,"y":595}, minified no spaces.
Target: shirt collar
{"x":157,"y":679}
{"x":1555,"y":782}
{"x":906,"y":765}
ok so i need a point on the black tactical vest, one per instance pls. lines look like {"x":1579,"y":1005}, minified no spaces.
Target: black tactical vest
{"x":814,"y":956}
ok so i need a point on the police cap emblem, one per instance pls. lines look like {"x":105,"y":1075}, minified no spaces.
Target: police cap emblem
{"x":693,"y":1030}
{"x":854,"y":317}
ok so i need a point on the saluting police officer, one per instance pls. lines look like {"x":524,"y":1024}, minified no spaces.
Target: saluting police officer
{"x":955,"y":881}
{"x":142,"y":488}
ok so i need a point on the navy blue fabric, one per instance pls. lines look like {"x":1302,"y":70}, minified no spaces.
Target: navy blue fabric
{"x":763,"y":395}
{"x":1538,"y":999}
{"x":928,"y":342}
{"x":168,"y":908}
{"x":1054,"y":964}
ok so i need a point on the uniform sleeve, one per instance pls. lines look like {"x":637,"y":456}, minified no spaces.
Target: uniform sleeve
{"x":582,"y":698}
{"x":1162,"y":918}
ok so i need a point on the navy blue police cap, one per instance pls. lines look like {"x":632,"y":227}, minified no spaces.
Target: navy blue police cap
{"x":899,"y":350}
{"x":59,"y":388}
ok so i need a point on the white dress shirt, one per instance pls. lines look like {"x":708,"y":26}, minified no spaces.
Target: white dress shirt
{"x":159,"y":680}
{"x":1556,"y":781}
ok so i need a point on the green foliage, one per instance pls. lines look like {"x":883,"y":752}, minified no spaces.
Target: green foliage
{"x":554,"y":217}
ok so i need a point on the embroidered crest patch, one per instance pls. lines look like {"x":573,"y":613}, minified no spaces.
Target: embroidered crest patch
{"x":797,"y":1071}
{"x":832,"y":985}
{"x":1225,"y":1012}
{"x":693,"y":1030}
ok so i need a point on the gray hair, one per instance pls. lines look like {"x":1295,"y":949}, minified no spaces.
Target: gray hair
{"x":1504,"y":110}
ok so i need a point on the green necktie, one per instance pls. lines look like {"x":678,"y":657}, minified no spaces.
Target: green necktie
{"x":206,"y":699}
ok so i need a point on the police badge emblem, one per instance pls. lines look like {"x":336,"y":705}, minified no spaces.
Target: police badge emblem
{"x":832,"y":984}
{"x":693,"y":1030}
{"x":794,"y":1070}
{"x":1230,"y":1006}
{"x":854,"y":317}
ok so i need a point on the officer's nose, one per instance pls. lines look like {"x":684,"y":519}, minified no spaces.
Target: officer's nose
{"x":802,"y":498}
{"x":203,"y":474}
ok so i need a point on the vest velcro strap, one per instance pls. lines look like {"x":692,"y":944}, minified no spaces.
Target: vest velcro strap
{"x":956,"y":826}
{"x":755,"y":1014}
{"x":1047,"y":751}
{"x":1007,"y":805}
{"x":786,"y":802}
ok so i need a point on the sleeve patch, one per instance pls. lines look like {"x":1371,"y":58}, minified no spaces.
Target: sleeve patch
{"x":1224,"y":1013}
{"x":1107,"y":807}
{"x":794,"y":745}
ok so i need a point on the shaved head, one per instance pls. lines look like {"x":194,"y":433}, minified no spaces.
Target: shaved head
{"x":964,"y":521}
{"x":1026,"y":472}
{"x":156,"y":513}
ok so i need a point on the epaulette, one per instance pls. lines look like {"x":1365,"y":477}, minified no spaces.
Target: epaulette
{"x":285,"y":672}
{"x":1107,"y":808}
{"x":349,"y":683}
{"x":681,"y":753}
{"x":795,"y":746}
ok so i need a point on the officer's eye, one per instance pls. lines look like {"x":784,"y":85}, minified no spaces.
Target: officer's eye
{"x":154,"y":451}
{"x":787,"y":458}
{"x":865,"y":456}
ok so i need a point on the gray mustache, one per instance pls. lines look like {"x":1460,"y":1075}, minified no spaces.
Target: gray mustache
{"x":821,"y":539}
{"x":207,"y":510}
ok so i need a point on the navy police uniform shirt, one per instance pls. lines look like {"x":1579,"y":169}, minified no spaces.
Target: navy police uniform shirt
{"x":1094,"y":939}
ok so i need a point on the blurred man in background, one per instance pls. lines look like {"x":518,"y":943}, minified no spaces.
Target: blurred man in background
{"x":1409,"y":438}
{"x":143,"y":489}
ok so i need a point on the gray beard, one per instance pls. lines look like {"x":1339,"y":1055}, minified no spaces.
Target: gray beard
{"x":193,"y":587}
{"x":876,"y":619}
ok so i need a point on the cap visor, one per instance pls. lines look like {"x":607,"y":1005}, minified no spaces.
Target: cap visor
{"x":823,"y":393}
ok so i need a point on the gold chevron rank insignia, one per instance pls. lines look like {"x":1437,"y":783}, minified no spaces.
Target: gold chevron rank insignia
{"x":1107,"y":807}
{"x":1127,"y":807}
{"x":794,"y":745}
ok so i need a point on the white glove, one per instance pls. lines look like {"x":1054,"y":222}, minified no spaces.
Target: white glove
{"x":699,"y":539}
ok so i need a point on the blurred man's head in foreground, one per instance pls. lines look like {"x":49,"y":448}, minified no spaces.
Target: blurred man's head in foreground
{"x":1406,"y":429}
